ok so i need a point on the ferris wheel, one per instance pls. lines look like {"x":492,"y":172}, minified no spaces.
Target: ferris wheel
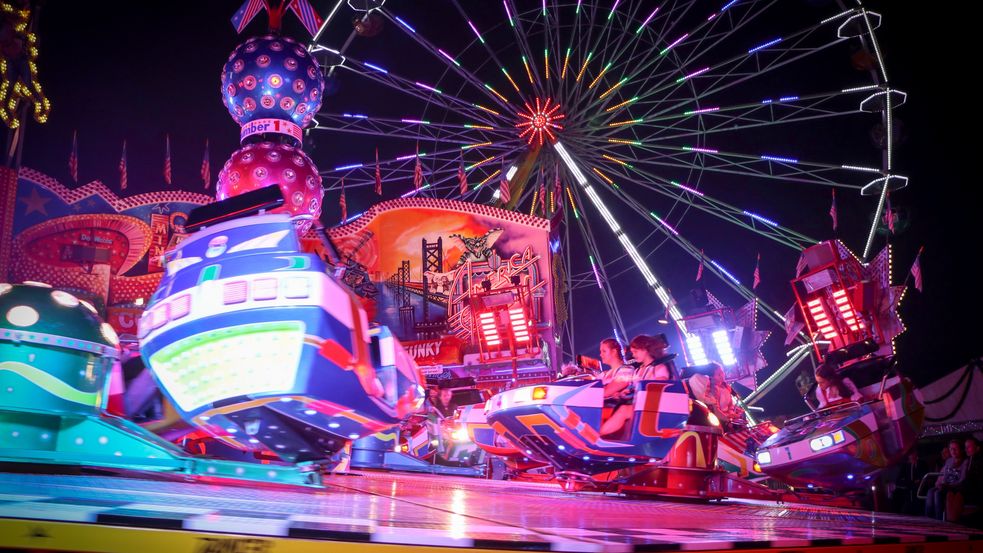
{"x":636,"y":121}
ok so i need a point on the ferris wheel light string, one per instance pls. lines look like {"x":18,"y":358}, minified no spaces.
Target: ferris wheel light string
{"x":864,"y":169}
{"x":597,"y":275}
{"x":495,"y":92}
{"x":616,"y":160}
{"x":488,"y":178}
{"x":449,"y":57}
{"x":480,"y":163}
{"x":788,"y":98}
{"x":345,"y":167}
{"x":724,"y":271}
{"x":728,"y":5}
{"x":509,"y":77}
{"x":760,"y":218}
{"x":693,"y":74}
{"x":835,"y":17}
{"x":546,"y":62}
{"x":621,"y":105}
{"x":508,"y":13}
{"x":765,"y":45}
{"x":525,"y":63}
{"x":602,"y":175}
{"x":476,"y":33}
{"x":860,"y":88}
{"x":584,"y":67}
{"x":664,"y":223}
{"x":624,"y":141}
{"x":686,"y":188}
{"x":411,"y":192}
{"x":411,"y":156}
{"x":489,"y":110}
{"x":780,"y":159}
{"x":479,"y":145}
{"x":673,"y":44}
{"x":375,"y":67}
{"x":404,"y":24}
{"x":599,"y":75}
{"x":647,"y":19}
{"x":355,"y":115}
{"x":482,"y":127}
{"x":704,"y":110}
{"x":428,"y":87}
{"x":628,"y":122}
{"x":415,"y":121}
{"x":700,"y":150}
{"x":566,"y":62}
{"x":613,"y":88}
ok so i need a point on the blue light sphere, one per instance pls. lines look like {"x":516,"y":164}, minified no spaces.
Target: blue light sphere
{"x":272,"y":77}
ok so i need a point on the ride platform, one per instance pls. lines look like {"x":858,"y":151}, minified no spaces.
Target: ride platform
{"x":389,"y":512}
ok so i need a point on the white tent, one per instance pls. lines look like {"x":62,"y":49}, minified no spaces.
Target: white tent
{"x":954,"y":403}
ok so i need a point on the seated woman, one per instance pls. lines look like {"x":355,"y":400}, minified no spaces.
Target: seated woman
{"x":831,"y":388}
{"x":717,"y":394}
{"x":650,"y":352}
{"x":618,"y":375}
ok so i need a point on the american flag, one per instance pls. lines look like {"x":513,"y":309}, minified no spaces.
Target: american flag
{"x":310,"y":18}
{"x":757,"y":273}
{"x":122,"y":168}
{"x":916,"y":269}
{"x":167,"y":160}
{"x":343,"y":203}
{"x":417,"y":172}
{"x":557,"y":187}
{"x":542,"y":197}
{"x":206,"y":169}
{"x":246,"y":13}
{"x":832,"y":210}
{"x":889,"y":215}
{"x":462,"y":178}
{"x":378,"y":174}
{"x":699,"y":270}
{"x":73,"y":158}
{"x":504,"y":193}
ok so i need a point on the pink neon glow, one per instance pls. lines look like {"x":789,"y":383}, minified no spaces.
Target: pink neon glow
{"x":677,"y":41}
{"x":688,"y":189}
{"x":651,"y":15}
{"x":695,"y":73}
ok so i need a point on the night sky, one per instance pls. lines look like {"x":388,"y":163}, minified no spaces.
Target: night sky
{"x":139,"y":70}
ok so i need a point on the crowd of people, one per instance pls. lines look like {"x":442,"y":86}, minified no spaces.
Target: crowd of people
{"x":950,"y":490}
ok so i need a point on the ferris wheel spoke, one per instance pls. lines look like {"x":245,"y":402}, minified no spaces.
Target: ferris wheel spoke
{"x":449,"y":62}
{"x":412,"y":129}
{"x":426,"y":93}
{"x":691,"y":196}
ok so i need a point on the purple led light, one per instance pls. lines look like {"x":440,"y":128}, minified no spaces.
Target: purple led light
{"x":712,"y":16}
{"x":355,"y":115}
{"x":767,"y":101}
{"x":701,"y":150}
{"x":446,"y":55}
{"x":687,"y":188}
{"x":405,"y":24}
{"x":475,"y":29}
{"x":729,"y":4}
{"x":651,"y":15}
{"x":344,"y":167}
{"x":705,"y":110}
{"x":597,"y":276}
{"x":788,"y":98}
{"x":765,"y":45}
{"x":780,"y":159}
{"x":401,"y":158}
{"x":376,"y":67}
{"x":695,"y":73}
{"x":507,"y":12}
{"x":414,"y":121}
{"x":677,"y":41}
{"x":724,"y":271}
{"x":760,"y":218}
{"x":665,"y":224}
{"x":426,"y":86}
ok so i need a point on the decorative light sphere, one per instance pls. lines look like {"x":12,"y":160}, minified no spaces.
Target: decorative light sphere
{"x":272,"y":77}
{"x":255,"y":166}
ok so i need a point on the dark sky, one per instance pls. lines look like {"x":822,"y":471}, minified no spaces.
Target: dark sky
{"x":138,"y":70}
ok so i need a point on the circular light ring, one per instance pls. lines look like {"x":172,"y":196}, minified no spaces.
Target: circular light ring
{"x":57,"y":341}
{"x":23,"y":315}
{"x":64,"y":299}
{"x":109,"y":333}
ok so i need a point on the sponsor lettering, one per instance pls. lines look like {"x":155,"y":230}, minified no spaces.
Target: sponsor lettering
{"x":234,"y":545}
{"x":279,"y":126}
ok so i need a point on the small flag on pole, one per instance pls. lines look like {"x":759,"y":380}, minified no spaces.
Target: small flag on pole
{"x":504,"y":193}
{"x":889,"y":215}
{"x":246,"y":13}
{"x":167,"y":160}
{"x":699,"y":270}
{"x":206,"y":168}
{"x":73,"y":158}
{"x":832,"y":210}
{"x":462,"y":178}
{"x":417,"y":171}
{"x":122,"y":168}
{"x":757,"y":273}
{"x":916,"y":269}
{"x":343,"y":203}
{"x":308,"y":17}
{"x":557,"y":187}
{"x":378,"y":174}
